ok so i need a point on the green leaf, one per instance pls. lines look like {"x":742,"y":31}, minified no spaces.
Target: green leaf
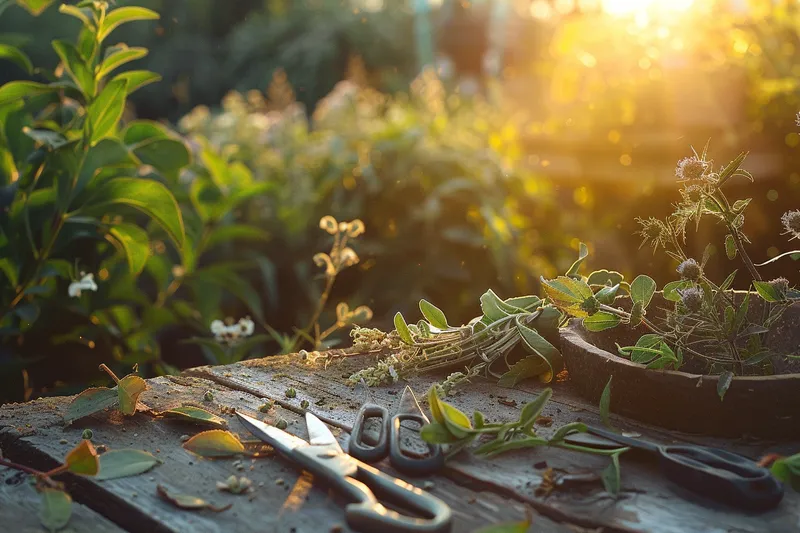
{"x":128,"y":389}
{"x":600,"y":321}
{"x":14,"y":54}
{"x":528,"y":303}
{"x":605,"y":277}
{"x":214,"y":443}
{"x":75,"y":66}
{"x":436,"y":433}
{"x":506,"y":527}
{"x":670,"y":290}
{"x":150,"y":197}
{"x":611,"y":476}
{"x":235,"y":232}
{"x":104,"y":113}
{"x":83,"y":459}
{"x":167,"y":156}
{"x":35,"y":7}
{"x":533,"y":409}
{"x":538,"y":345}
{"x":55,"y":510}
{"x":646,"y":348}
{"x":731,"y":169}
{"x":136,"y":79}
{"x":499,"y":446}
{"x":123,"y":15}
{"x":51,"y":139}
{"x":16,"y":90}
{"x":495,"y":308}
{"x":135,"y":243}
{"x":730,"y":247}
{"x":568,"y":294}
{"x":787,"y":469}
{"x":10,"y":270}
{"x":606,"y":295}
{"x":85,"y":15}
{"x":195,"y":415}
{"x":529,"y":367}
{"x":117,"y":464}
{"x":568,"y":429}
{"x":402,"y":328}
{"x":433,"y":314}
{"x":90,"y":401}
{"x":456,"y":422}
{"x":605,"y":404}
{"x":724,"y":383}
{"x":642,"y":290}
{"x":583,"y":253}
{"x":767,"y":291}
{"x":119,"y":55}
{"x":106,"y":154}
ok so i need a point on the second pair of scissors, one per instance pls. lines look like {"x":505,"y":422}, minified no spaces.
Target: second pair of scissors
{"x":407,"y":452}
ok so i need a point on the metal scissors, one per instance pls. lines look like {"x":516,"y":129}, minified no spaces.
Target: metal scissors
{"x":390,"y":441}
{"x":323,"y":457}
{"x":711,"y":472}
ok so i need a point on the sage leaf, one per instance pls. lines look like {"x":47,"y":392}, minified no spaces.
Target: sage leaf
{"x":529,"y":367}
{"x":606,"y":295}
{"x":787,"y":469}
{"x":568,"y":294}
{"x":723,"y":383}
{"x":605,"y":277}
{"x":90,"y":401}
{"x":129,"y":388}
{"x":116,"y":464}
{"x":611,"y":476}
{"x":434,"y":315}
{"x":600,"y":321}
{"x":533,"y":409}
{"x":538,"y":345}
{"x":767,"y":291}
{"x":55,"y":510}
{"x":83,"y":459}
{"x":730,"y":247}
{"x":456,"y":422}
{"x":583,"y":253}
{"x":563,"y":431}
{"x":402,"y":328}
{"x":187,"y":501}
{"x":528,"y":303}
{"x":605,"y":404}
{"x":437,"y":433}
{"x":642,"y":290}
{"x":500,"y":446}
{"x":670,"y":290}
{"x":195,"y":415}
{"x":214,"y":443}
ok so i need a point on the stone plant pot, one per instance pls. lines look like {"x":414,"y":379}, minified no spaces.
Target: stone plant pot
{"x":759,"y":406}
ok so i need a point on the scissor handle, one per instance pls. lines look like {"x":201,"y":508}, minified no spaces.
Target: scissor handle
{"x":415,"y":465}
{"x":721,"y":475}
{"x":369,"y":515}
{"x":357,"y":447}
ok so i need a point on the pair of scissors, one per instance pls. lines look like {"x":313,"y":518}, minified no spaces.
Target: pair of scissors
{"x":323,"y":457}
{"x":711,"y":472}
{"x":404,"y":458}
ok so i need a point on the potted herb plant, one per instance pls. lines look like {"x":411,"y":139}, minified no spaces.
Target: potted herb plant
{"x":696,"y":356}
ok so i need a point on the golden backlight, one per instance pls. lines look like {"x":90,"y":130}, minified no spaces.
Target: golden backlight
{"x":633,"y":7}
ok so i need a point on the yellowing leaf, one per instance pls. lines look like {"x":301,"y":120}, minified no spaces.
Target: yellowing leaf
{"x":89,"y":402}
{"x":83,"y":459}
{"x":189,"y":502}
{"x":55,"y":510}
{"x":457,"y":423}
{"x":195,"y":415}
{"x":214,"y":443}
{"x":123,"y":463}
{"x":129,"y":388}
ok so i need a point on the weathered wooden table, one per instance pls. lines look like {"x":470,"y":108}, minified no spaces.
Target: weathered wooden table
{"x":480,"y":491}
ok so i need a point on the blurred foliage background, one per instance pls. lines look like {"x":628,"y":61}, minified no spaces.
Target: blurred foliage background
{"x":485,"y":171}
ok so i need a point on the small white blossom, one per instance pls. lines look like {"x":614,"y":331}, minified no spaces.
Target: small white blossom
{"x":393,"y":373}
{"x":233,"y":332}
{"x":85,"y":284}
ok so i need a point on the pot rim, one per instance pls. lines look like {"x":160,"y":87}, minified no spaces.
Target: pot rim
{"x":570,"y":334}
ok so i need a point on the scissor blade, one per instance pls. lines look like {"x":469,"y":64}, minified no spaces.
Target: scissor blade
{"x":409,"y":405}
{"x":282,"y":441}
{"x":319,"y":434}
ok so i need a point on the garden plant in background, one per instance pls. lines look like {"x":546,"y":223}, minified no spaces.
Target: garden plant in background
{"x":710,"y":327}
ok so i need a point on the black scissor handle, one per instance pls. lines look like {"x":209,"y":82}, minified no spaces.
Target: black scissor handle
{"x":412,"y":464}
{"x":722,"y":475}
{"x":357,"y":447}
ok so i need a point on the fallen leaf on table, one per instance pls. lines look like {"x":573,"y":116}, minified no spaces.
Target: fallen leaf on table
{"x":55,"y":510}
{"x":91,"y":401}
{"x":83,"y":459}
{"x":129,"y":388}
{"x":195,"y":415}
{"x":189,"y":502}
{"x":214,"y":443}
{"x":123,"y":463}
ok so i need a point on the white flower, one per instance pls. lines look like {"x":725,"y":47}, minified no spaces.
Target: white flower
{"x":85,"y":284}
{"x":393,"y":373}
{"x":247,"y":326}
{"x":232,"y":333}
{"x":217,"y":327}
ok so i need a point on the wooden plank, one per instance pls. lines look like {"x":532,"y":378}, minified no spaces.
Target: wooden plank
{"x":19,"y":505}
{"x":34,"y":434}
{"x":649,"y":503}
